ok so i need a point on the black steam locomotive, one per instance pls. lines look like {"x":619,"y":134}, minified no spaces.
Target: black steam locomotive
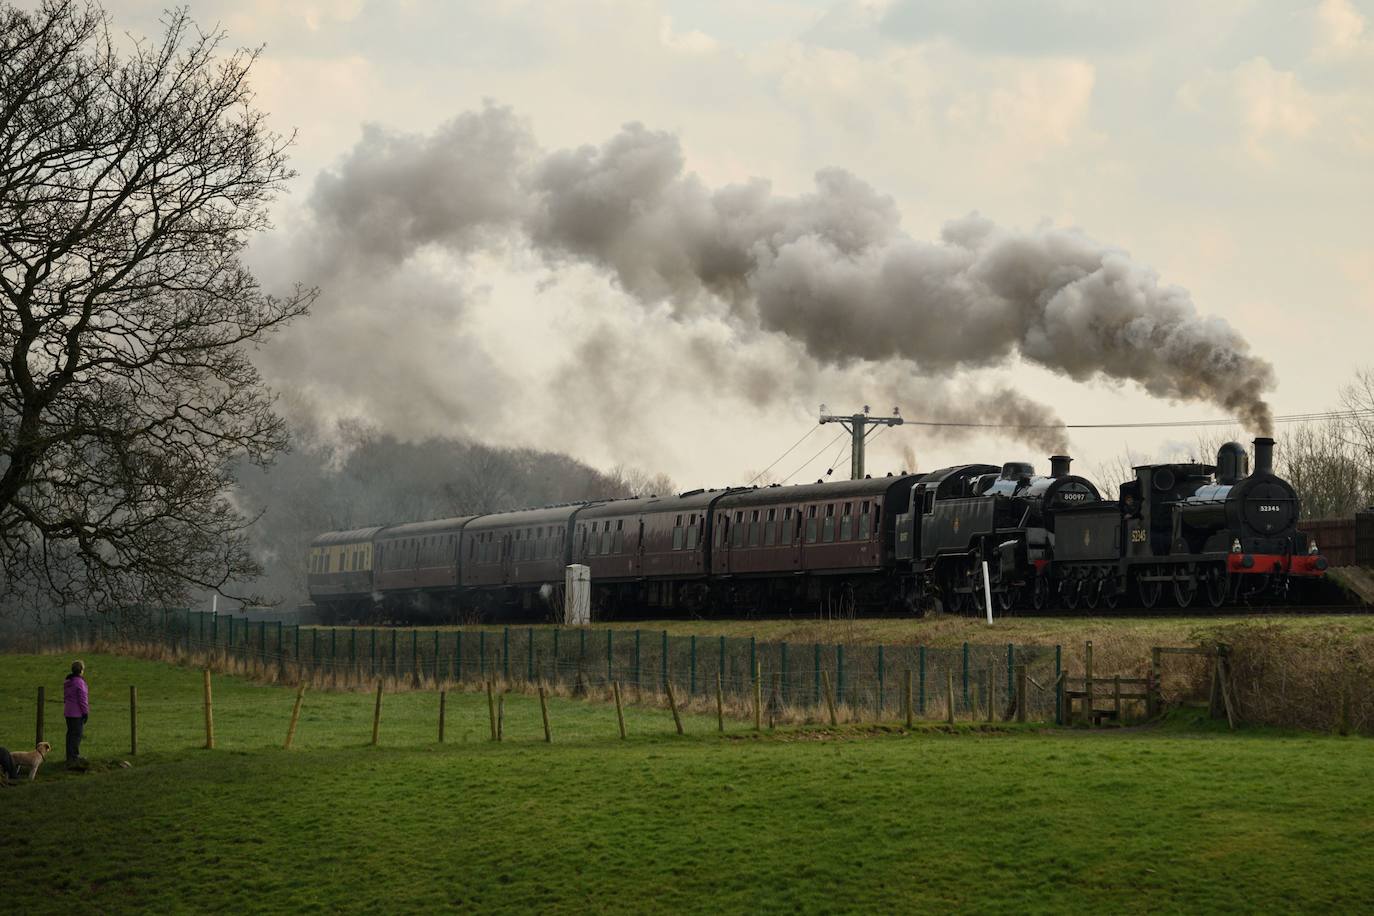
{"x":955,"y":539}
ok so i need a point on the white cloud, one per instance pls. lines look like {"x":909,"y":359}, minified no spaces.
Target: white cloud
{"x":1340,"y":31}
{"x":1263,"y":103}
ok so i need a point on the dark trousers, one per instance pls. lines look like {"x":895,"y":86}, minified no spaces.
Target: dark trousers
{"x":7,"y":764}
{"x":76,"y":727}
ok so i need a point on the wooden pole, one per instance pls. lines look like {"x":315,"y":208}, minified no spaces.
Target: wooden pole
{"x":775,"y":701}
{"x":1021,"y":693}
{"x":829,"y":696}
{"x":991,"y":699}
{"x":1154,"y":702}
{"x":377,"y":714}
{"x":544,"y":711}
{"x":38,"y":722}
{"x":295,"y":715}
{"x":500,"y":718}
{"x":1089,"y":701}
{"x":209,"y":714}
{"x":906,"y":699}
{"x":133,"y":721}
{"x":758,"y":698}
{"x":720,"y":705}
{"x":1116,"y":696}
{"x":949,"y":693}
{"x":491,"y":709}
{"x":619,"y":708}
{"x":443,"y":704}
{"x":1224,"y":670}
{"x":672,"y":704}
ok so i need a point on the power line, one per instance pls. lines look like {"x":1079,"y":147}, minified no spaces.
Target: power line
{"x":789,"y":451}
{"x":837,"y":438}
{"x":1158,"y":424}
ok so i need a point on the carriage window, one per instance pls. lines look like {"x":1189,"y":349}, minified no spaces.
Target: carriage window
{"x":770,"y":531}
{"x":754,"y":529}
{"x":618,"y":545}
{"x":864,"y":520}
{"x":811,"y":525}
{"x":828,"y":529}
{"x":846,"y":526}
{"x":693,"y":535}
{"x":679,"y":537}
{"x":737,"y":533}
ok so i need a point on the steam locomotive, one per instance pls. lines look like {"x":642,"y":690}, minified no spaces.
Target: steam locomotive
{"x":955,"y":539}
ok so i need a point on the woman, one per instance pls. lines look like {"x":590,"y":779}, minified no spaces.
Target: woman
{"x":76,"y":706}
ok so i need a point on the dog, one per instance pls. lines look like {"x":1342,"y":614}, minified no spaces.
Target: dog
{"x":32,"y":759}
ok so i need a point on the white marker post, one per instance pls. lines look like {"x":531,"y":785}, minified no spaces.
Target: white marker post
{"x":987,"y":590}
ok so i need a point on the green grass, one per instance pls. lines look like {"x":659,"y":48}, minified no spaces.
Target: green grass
{"x":1175,"y":818}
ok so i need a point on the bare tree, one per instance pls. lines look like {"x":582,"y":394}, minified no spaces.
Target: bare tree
{"x":130,"y":182}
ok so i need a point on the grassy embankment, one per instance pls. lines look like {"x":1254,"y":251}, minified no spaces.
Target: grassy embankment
{"x":1180,"y":817}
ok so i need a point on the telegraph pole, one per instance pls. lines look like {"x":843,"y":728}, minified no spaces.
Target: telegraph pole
{"x":860,"y":426}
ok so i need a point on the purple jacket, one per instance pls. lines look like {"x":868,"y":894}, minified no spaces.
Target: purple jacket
{"x":75,"y":700}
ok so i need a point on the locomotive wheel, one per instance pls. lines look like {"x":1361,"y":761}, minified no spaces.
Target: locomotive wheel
{"x":1069,"y":593}
{"x":1185,"y":590}
{"x":1149,"y":593}
{"x":1218,"y":586}
{"x":1092,"y":593}
{"x":1005,"y":599}
{"x":1110,"y":596}
{"x":1040,"y":593}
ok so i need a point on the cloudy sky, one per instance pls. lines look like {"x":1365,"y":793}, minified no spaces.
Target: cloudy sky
{"x":1225,"y":147}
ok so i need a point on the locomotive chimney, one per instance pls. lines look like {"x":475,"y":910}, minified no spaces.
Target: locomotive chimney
{"x":1232,"y":464}
{"x":1059,"y":465}
{"x":1264,"y":455}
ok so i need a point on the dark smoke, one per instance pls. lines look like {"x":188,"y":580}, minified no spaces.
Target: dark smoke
{"x":830,"y":270}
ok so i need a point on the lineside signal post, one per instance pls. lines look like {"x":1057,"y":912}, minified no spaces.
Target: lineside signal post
{"x":860,"y":426}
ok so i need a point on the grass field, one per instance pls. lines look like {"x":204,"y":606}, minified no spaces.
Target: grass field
{"x":1179,"y":817}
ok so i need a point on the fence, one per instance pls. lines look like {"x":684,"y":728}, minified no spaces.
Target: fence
{"x":868,"y":681}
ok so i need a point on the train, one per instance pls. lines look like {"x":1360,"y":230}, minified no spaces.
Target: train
{"x":955,"y":540}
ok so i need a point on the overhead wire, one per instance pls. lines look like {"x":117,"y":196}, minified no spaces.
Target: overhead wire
{"x":789,"y":451}
{"x":818,"y":454}
{"x":1152,"y":424}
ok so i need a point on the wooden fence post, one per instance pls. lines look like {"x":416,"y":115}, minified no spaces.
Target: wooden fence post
{"x":133,"y":721}
{"x":295,"y":716}
{"x":949,"y":690}
{"x":829,"y":696}
{"x":491,"y":709}
{"x":377,"y":714}
{"x":1089,"y":701}
{"x":500,"y":718}
{"x":443,"y":703}
{"x":720,"y":704}
{"x":38,"y":722}
{"x":1116,"y":696}
{"x":775,"y":701}
{"x":672,"y":704}
{"x":906,"y":699}
{"x":544,"y":711}
{"x":1155,"y":702}
{"x":1021,"y":698}
{"x":619,"y":708}
{"x":209,"y":714}
{"x":758,"y":698}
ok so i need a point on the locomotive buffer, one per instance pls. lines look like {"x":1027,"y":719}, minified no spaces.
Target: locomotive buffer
{"x":860,"y":426}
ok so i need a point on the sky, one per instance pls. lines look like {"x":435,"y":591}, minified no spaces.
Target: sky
{"x":1226,"y":147}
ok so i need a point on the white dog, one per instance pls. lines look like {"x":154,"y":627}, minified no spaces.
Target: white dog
{"x":32,"y":759}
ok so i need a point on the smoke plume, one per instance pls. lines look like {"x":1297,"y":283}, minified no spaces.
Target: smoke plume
{"x":830,"y":272}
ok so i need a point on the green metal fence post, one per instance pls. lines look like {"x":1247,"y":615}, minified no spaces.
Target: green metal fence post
{"x":921,"y":669}
{"x":639,"y":679}
{"x":753,"y":657}
{"x":436,"y":655}
{"x":692,"y":686}
{"x":505,"y":653}
{"x":663,"y":661}
{"x":610,"y":674}
{"x":966,"y":675}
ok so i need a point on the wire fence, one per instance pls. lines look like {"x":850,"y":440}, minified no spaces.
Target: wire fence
{"x":865,"y":682}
